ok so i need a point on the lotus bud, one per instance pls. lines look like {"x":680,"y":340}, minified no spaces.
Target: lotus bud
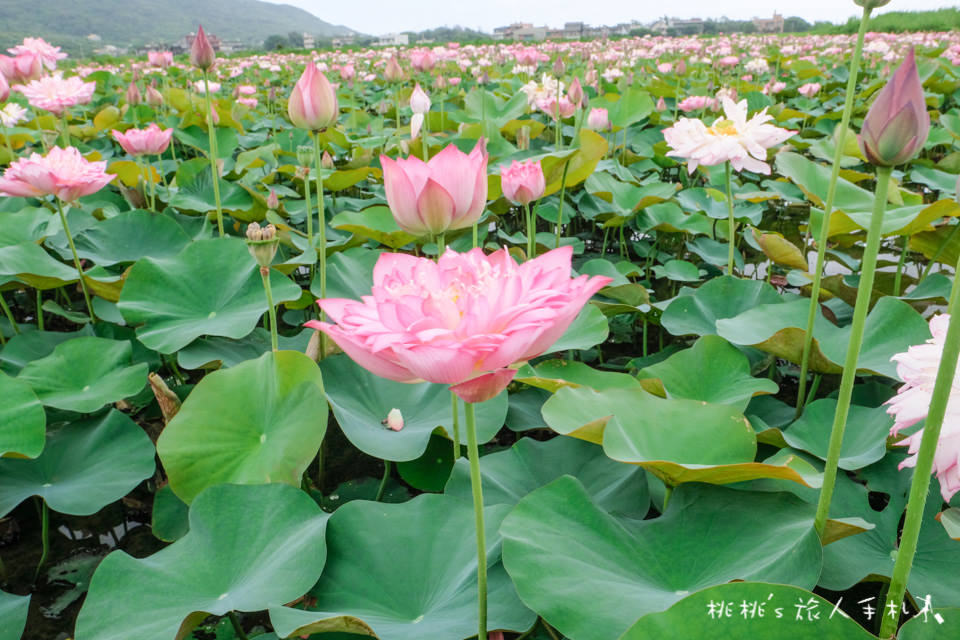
{"x":598,"y":119}
{"x":405,"y":147}
{"x":523,"y":138}
{"x":153,"y":98}
{"x":262,"y":243}
{"x":305,"y":155}
{"x":897,"y":123}
{"x":383,"y":107}
{"x":326,"y":161}
{"x":484,"y":78}
{"x":661,"y":104}
{"x":272,"y":94}
{"x":394,"y":420}
{"x":871,"y":4}
{"x":273,"y":202}
{"x":440,"y":82}
{"x":393,"y":72}
{"x":419,"y":100}
{"x":680,"y":68}
{"x":133,"y":95}
{"x":313,"y":101}
{"x":559,"y":67}
{"x":202,"y":55}
{"x":4,"y":88}
{"x":575,"y":92}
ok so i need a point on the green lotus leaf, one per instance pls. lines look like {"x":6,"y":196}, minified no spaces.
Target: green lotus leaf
{"x":83,"y":374}
{"x":13,"y":612}
{"x":212,"y":287}
{"x":23,"y":422}
{"x":362,"y":400}
{"x":416,"y":577}
{"x":566,"y":555}
{"x":719,"y":298}
{"x":864,"y":439}
{"x":84,"y":466}
{"x":927,"y":625}
{"x":132,"y":235}
{"x":257,"y":422}
{"x":249,"y":548}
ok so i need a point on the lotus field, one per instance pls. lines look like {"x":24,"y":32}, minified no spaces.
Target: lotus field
{"x":645,"y":338}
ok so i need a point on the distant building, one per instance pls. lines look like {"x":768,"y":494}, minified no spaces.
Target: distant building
{"x":393,"y":40}
{"x":524,"y":31}
{"x":232,"y":46}
{"x":309,"y":42}
{"x":343,"y":41}
{"x":677,"y":25}
{"x":769,"y":25}
{"x":187,"y":42}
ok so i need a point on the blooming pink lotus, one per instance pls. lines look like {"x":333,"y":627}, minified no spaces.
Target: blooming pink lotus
{"x":522,"y":182}
{"x":733,"y":139}
{"x":56,"y":94}
{"x":22,"y":68}
{"x":599,"y":119}
{"x":809,"y":89}
{"x":462,"y":320}
{"x":696,"y":103}
{"x":139,"y":142}
{"x":162,"y":59}
{"x":448,"y":192}
{"x":917,"y":367}
{"x":62,"y":172}
{"x":46,"y":52}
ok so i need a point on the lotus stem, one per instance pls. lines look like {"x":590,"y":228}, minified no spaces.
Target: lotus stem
{"x":236,"y":625}
{"x":9,"y":314}
{"x":903,"y":258}
{"x":732,"y":228}
{"x":387,"y":468}
{"x":864,"y":291}
{"x":272,"y":310}
{"x":531,"y":233}
{"x":455,"y":409}
{"x":39,"y":310}
{"x":921,"y":474}
{"x":828,"y":207}
{"x":214,"y":170}
{"x":322,"y":232}
{"x":44,"y":535}
{"x":76,"y":260}
{"x":473,"y":454}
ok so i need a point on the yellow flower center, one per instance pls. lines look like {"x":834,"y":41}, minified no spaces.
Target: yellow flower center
{"x":723,"y":128}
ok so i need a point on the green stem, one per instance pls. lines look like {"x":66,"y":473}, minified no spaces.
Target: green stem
{"x":813,"y":388}
{"x":424,"y":146}
{"x":531,"y":233}
{"x":44,"y":535}
{"x":441,"y":245}
{"x":265,"y":276}
{"x":76,"y":259}
{"x":903,"y":258}
{"x":563,"y":194}
{"x":473,"y":453}
{"x":9,"y":314}
{"x":322,"y":232}
{"x":924,"y":462}
{"x":214,"y":171}
{"x":39,"y":310}
{"x":455,"y":410}
{"x":667,"y":492}
{"x":236,"y":625}
{"x":864,"y":290}
{"x":387,"y":468}
{"x":828,"y":208}
{"x":732,"y":228}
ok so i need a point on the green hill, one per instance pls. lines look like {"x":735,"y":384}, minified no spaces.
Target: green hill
{"x":66,"y":23}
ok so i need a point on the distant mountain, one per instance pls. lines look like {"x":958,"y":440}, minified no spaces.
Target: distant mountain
{"x":137,"y":22}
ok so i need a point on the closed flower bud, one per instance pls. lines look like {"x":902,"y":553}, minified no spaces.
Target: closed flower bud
{"x":133,"y":95}
{"x":680,"y":68}
{"x":202,"y":55}
{"x":326,"y":160}
{"x":4,"y":88}
{"x":154,"y":98}
{"x":522,"y":182}
{"x":394,"y":420}
{"x":393,"y":72}
{"x":313,"y":101}
{"x":559,"y":67}
{"x":273,"y":202}
{"x":598,"y":119}
{"x":897,"y":123}
{"x":419,"y":100}
{"x":262,"y":243}
{"x":575,"y":92}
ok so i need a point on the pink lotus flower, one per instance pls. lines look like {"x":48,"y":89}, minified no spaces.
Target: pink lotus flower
{"x":809,"y":89}
{"x":422,"y":59}
{"x":598,"y":119}
{"x":246,"y":90}
{"x":313,"y":101}
{"x":202,"y":86}
{"x":162,"y":59}
{"x":897,"y":124}
{"x":917,"y":367}
{"x":696,"y":103}
{"x":62,"y":172}
{"x":149,"y":141}
{"x":728,"y":61}
{"x":448,"y":192}
{"x":665,"y":67}
{"x":733,"y":139}
{"x":522,"y":182}
{"x":549,"y":106}
{"x":462,"y":320}
{"x":392,"y":72}
{"x":57,"y":94}
{"x":773,"y":87}
{"x":46,"y":52}
{"x":21,"y":69}
{"x":202,"y":55}
{"x":248,"y":102}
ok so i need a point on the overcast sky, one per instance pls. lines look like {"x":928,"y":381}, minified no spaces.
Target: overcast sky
{"x":377,"y":17}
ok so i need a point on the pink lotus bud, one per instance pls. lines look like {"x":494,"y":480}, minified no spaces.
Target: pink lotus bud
{"x":133,"y":95}
{"x":394,"y":420}
{"x":440,"y":82}
{"x":326,"y":161}
{"x":153,"y":98}
{"x":484,"y":78}
{"x":4,"y":88}
{"x":393,"y":72}
{"x":559,"y":67}
{"x":419,"y":100}
{"x":522,"y":182}
{"x":661,"y":104}
{"x":575,"y":92}
{"x":313,"y":101}
{"x":202,"y":55}
{"x":897,"y":123}
{"x":273,"y":201}
{"x":598,"y":119}
{"x":448,"y":192}
{"x":681,"y":68}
